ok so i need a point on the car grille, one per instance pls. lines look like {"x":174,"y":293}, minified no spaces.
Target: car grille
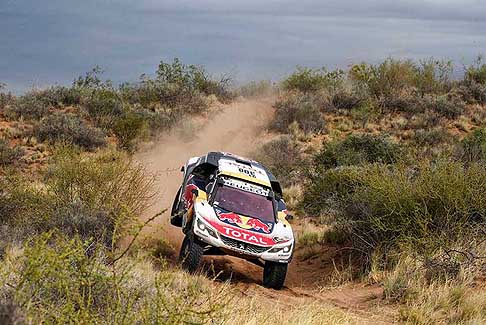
{"x":243,"y":246}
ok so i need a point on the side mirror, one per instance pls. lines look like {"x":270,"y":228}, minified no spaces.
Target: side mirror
{"x":195,"y":192}
{"x":182,"y":169}
{"x":289,"y":217}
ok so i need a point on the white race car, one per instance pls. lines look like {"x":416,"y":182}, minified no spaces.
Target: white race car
{"x":231,"y":205}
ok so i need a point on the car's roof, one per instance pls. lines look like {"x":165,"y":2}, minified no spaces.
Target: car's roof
{"x":239,"y":167}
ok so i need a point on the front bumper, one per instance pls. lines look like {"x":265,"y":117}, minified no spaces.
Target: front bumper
{"x":281,"y":253}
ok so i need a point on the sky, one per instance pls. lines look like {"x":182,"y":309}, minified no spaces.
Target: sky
{"x":53,"y":41}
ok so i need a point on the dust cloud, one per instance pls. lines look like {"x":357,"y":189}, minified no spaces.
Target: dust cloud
{"x":235,"y":128}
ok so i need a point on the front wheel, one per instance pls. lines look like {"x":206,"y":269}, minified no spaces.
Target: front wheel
{"x":191,"y":253}
{"x":274,"y":274}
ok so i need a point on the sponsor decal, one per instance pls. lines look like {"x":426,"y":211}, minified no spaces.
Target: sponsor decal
{"x":259,"y":225}
{"x":244,"y":222}
{"x":242,"y":234}
{"x":231,"y":218}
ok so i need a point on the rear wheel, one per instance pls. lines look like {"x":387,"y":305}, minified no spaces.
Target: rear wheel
{"x":191,"y":253}
{"x":274,"y":274}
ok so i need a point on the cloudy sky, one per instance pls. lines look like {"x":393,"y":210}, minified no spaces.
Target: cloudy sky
{"x":52,"y":41}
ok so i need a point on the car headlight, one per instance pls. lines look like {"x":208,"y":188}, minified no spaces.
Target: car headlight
{"x":202,"y":226}
{"x":278,"y":239}
{"x":285,"y":249}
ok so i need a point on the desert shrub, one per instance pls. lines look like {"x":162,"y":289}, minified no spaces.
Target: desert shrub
{"x":327,"y":189}
{"x":450,"y":108}
{"x":387,"y":79}
{"x":473,"y":146}
{"x":394,"y":78}
{"x":5,"y":97}
{"x":59,"y":96}
{"x":97,"y":197}
{"x":70,"y":128}
{"x":427,"y":300}
{"x":9,"y":155}
{"x":128,"y":129}
{"x":104,"y":106}
{"x":346,"y":100}
{"x":283,"y":157}
{"x":431,"y":137}
{"x":433,"y":76}
{"x":406,"y":103}
{"x":301,"y":108}
{"x":357,"y":150}
{"x":424,"y":209}
{"x":256,"y":89}
{"x":476,"y":72}
{"x":476,"y":93}
{"x":193,"y":78}
{"x":54,"y":280}
{"x":91,"y":80}
{"x":32,"y":105}
{"x":311,"y":80}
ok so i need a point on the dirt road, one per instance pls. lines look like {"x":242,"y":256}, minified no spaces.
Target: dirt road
{"x":238,"y":128}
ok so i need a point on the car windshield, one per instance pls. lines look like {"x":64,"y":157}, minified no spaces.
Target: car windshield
{"x":244,"y":203}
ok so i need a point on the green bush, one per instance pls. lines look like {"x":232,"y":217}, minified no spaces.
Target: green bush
{"x":425,"y":208}
{"x":193,"y":78}
{"x":5,"y":97}
{"x":59,"y":96}
{"x":346,"y":100}
{"x":406,"y":103}
{"x":394,"y":78}
{"x":433,"y":76}
{"x":59,"y":280}
{"x":473,"y":146}
{"x":97,"y":197}
{"x":326,"y":190}
{"x":476,"y":93}
{"x":9,"y":155}
{"x":431,"y":137}
{"x":104,"y":106}
{"x":389,"y":78}
{"x":283,"y":157}
{"x":301,"y":108}
{"x":32,"y":105}
{"x":311,"y":80}
{"x":128,"y":130}
{"x":357,"y":150}
{"x":62,"y":127}
{"x":476,"y":72}
{"x":450,"y":108}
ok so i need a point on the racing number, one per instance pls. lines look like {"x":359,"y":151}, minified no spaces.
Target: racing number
{"x":247,"y":172}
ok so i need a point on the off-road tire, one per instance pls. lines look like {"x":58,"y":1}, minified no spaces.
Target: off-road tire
{"x":191,"y":253}
{"x":274,"y":274}
{"x":175,"y":215}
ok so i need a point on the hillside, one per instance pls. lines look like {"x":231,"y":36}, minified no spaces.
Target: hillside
{"x":383,"y":167}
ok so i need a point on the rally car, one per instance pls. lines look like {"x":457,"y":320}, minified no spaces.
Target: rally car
{"x":232,"y":205}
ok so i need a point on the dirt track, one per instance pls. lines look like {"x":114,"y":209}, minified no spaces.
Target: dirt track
{"x":237,"y":128}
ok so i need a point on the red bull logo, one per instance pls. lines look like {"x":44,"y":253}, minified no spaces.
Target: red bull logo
{"x":231,"y":217}
{"x":258,"y":225}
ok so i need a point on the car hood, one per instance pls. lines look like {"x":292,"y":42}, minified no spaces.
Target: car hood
{"x":251,"y":230}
